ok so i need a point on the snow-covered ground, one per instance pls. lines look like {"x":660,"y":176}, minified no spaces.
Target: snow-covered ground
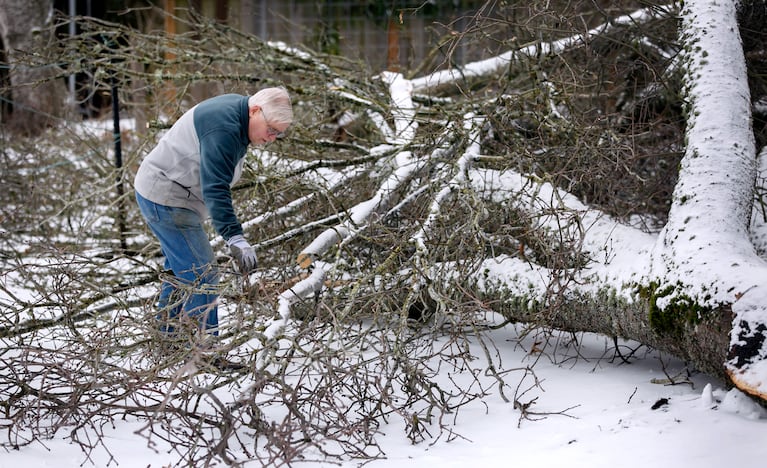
{"x":613,"y":415}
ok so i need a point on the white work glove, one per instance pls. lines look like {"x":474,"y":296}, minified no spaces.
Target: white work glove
{"x":243,"y":253}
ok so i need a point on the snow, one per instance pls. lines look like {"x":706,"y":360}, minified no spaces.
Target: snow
{"x":607,"y":420}
{"x":591,"y":409}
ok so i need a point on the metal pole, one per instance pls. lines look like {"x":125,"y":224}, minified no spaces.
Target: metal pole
{"x":118,"y":163}
{"x":72,"y":34}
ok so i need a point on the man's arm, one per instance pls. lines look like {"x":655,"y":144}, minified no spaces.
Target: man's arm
{"x":219,"y":156}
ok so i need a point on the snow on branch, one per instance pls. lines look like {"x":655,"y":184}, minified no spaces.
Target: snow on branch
{"x":404,"y":167}
{"x":499,"y":63}
{"x":302,"y":290}
{"x":616,"y":252}
{"x":472,"y":124}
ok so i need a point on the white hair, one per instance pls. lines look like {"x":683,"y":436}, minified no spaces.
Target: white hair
{"x":275,"y":102}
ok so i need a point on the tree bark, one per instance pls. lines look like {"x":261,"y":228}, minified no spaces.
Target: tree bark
{"x":703,"y":344}
{"x":38,"y":97}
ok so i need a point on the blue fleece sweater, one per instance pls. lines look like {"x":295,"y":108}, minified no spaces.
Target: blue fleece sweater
{"x":198,"y":160}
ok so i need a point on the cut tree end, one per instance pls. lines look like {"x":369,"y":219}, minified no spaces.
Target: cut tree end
{"x":749,"y":382}
{"x":304,"y":260}
{"x":746,"y":364}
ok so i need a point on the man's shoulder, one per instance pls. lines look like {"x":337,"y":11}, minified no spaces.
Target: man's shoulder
{"x":227,"y":112}
{"x":222,"y":102}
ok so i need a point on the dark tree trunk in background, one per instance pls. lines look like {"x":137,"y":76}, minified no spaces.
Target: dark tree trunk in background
{"x":37,"y":98}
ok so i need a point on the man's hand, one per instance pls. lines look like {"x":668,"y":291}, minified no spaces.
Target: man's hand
{"x":243,"y":253}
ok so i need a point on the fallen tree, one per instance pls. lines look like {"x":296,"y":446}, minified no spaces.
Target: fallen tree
{"x":696,"y":288}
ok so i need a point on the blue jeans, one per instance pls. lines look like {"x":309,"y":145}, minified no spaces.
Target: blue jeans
{"x":192,"y":291}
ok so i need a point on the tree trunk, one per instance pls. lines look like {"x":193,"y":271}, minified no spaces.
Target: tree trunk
{"x":707,"y":232}
{"x":698,"y":290}
{"x":703,"y":344}
{"x":38,"y":97}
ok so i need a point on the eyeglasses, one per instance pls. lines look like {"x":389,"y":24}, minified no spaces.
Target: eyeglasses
{"x":271,"y":131}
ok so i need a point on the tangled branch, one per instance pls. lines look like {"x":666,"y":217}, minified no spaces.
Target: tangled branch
{"x":371,"y":194}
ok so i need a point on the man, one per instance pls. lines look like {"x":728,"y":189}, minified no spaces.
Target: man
{"x":186,"y":178}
